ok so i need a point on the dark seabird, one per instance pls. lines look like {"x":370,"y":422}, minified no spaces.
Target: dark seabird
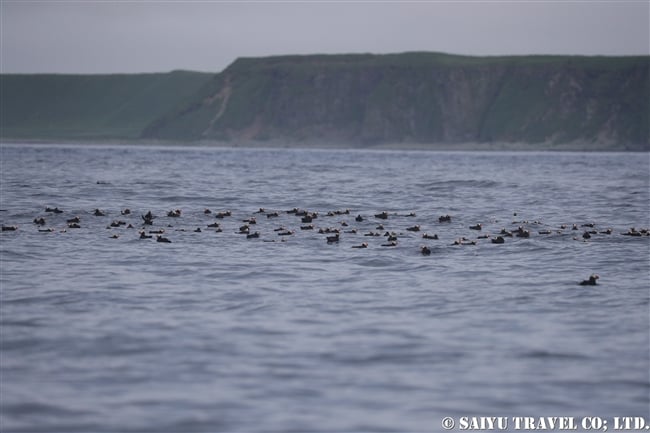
{"x":444,"y":219}
{"x":39,"y":221}
{"x":331,"y":239}
{"x":157,"y":232}
{"x":9,"y":228}
{"x":286,"y":233}
{"x":383,"y":215}
{"x":428,"y":236}
{"x":115,"y":236}
{"x":250,"y":220}
{"x":253,"y":235}
{"x":55,"y":210}
{"x":215,"y":225}
{"x":223,"y":214}
{"x":126,"y":211}
{"x":272,"y":215}
{"x":415,"y":228}
{"x":98,"y":213}
{"x":633,"y":232}
{"x":498,"y":240}
{"x":198,"y":230}
{"x":207,"y":211}
{"x":591,"y":281}
{"x":329,"y":230}
{"x":523,"y":234}
{"x":261,"y":210}
{"x":359,"y":218}
{"x":74,"y":226}
{"x":143,"y":235}
{"x":586,"y":235}
{"x":244,"y":230}
{"x":174,"y":213}
{"x":425,"y":250}
{"x":159,"y":238}
{"x":390,"y":244}
{"x":476,"y":227}
{"x":363,"y":245}
{"x":307,"y":227}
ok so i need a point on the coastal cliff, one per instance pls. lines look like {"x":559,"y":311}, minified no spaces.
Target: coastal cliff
{"x":397,"y":100}
{"x":421,"y":98}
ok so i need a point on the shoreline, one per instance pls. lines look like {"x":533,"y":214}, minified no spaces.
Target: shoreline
{"x":342,"y":145}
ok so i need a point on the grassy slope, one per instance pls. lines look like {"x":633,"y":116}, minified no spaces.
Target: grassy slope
{"x":358,"y":98}
{"x":47,"y":106}
{"x":424,"y":97}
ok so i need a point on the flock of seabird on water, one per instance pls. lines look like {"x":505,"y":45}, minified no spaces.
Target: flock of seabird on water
{"x":332,"y":234}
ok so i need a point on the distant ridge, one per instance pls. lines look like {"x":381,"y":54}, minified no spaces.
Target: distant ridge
{"x":364,"y":99}
{"x":90,"y":107}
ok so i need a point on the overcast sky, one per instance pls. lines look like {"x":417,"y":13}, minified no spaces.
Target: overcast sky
{"x":146,"y":36}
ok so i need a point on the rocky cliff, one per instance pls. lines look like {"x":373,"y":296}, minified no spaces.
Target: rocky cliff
{"x":420,"y":98}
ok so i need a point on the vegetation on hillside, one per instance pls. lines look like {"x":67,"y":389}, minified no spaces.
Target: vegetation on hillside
{"x":357,"y":99}
{"x":421,"y":98}
{"x":50,"y":106}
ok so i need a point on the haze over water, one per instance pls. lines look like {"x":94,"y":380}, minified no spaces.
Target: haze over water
{"x":217,"y":332}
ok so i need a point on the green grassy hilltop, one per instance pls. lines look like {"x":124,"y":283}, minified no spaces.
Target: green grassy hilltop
{"x":357,"y":99}
{"x":53,"y":106}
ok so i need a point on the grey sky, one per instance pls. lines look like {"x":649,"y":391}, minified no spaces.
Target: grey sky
{"x":144,"y":36}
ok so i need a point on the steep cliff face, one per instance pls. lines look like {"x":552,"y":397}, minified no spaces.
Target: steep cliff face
{"x":420,"y":98}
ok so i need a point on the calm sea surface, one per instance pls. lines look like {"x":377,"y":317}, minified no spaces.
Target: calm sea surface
{"x":217,"y":332}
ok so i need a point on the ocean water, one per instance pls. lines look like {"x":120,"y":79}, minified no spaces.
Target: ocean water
{"x":218,"y":332}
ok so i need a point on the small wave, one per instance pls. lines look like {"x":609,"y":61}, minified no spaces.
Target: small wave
{"x":27,"y":323}
{"x":451,"y":184}
{"x":545,"y":354}
{"x":389,"y":357}
{"x":30,"y":408}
